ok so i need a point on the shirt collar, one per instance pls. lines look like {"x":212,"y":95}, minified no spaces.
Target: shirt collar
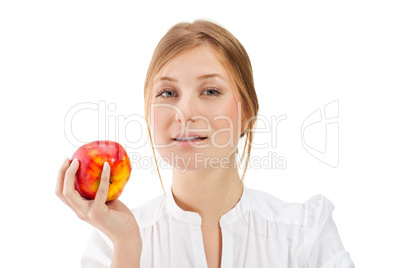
{"x":193,"y":218}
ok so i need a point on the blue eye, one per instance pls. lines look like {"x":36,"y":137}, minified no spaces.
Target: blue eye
{"x":169,"y":93}
{"x":212,"y":91}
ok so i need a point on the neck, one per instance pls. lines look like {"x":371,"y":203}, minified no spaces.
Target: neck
{"x":209,"y":192}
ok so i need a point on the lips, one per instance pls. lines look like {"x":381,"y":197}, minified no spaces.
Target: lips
{"x":189,"y":137}
{"x":194,"y":138}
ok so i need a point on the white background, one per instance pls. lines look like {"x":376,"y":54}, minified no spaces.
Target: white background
{"x":305,"y":55}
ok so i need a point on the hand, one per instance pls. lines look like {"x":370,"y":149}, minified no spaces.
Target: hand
{"x":113,"y":218}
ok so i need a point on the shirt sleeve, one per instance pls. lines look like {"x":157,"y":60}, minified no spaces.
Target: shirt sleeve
{"x":323,"y":246}
{"x":99,"y":252}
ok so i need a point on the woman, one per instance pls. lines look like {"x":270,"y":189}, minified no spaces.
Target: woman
{"x":199,"y":102}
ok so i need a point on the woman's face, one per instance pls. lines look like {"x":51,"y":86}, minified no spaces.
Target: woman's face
{"x":195,"y":115}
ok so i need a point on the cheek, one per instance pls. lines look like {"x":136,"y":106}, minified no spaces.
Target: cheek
{"x":226,"y":124}
{"x":228,"y":115}
{"x":161,"y":121}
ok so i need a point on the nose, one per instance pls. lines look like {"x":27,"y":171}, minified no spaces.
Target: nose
{"x":187,"y":110}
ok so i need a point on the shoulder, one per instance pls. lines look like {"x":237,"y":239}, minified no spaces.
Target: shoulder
{"x":317,"y":211}
{"x":308,"y":214}
{"x":151,"y":211}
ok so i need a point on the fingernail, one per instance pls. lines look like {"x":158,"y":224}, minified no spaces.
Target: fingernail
{"x":106,"y":166}
{"x":74,"y":162}
{"x":65,"y":160}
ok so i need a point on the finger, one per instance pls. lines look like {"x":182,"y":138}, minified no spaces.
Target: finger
{"x":69,"y":192}
{"x":60,"y":182}
{"x":103,"y":190}
{"x":60,"y":178}
{"x":60,"y":185}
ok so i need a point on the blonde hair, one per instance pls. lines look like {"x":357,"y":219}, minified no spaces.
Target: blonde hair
{"x":185,"y":36}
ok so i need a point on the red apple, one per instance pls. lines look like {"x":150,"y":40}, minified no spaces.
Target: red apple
{"x":91,"y":157}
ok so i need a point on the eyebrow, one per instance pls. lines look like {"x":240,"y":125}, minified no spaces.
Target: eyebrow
{"x":201,"y":77}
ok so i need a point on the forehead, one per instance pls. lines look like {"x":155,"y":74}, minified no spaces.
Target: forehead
{"x":199,"y":62}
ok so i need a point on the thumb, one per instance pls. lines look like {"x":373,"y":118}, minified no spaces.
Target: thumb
{"x":103,"y":190}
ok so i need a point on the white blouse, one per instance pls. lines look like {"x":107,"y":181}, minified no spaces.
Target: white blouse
{"x":260,"y":231}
